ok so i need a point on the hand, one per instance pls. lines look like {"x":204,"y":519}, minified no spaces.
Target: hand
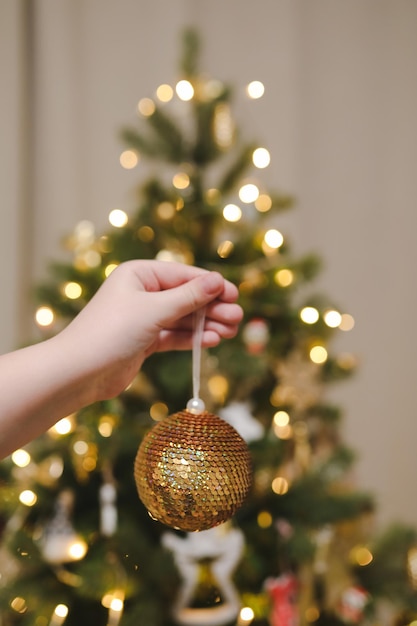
{"x":145,"y":307}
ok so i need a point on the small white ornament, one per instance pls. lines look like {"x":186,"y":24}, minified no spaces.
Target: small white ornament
{"x":108,"y":509}
{"x":238,"y":415}
{"x":223,"y":546}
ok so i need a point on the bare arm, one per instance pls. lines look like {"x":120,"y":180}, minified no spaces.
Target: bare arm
{"x":143,"y":307}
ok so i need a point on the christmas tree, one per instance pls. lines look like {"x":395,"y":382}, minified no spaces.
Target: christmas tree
{"x":78,"y":546}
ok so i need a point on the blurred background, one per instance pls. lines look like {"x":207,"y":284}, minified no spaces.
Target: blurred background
{"x":338,"y":117}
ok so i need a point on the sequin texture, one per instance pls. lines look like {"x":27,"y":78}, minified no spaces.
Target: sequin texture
{"x":193,"y":472}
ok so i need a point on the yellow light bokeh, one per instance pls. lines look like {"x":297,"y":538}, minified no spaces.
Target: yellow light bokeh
{"x":264,"y":519}
{"x":332,"y":318}
{"x":28,"y":497}
{"x":273,"y":238}
{"x":246,"y":615}
{"x":185,"y":90}
{"x":225,"y":249}
{"x":361,"y":555}
{"x":159,"y":411}
{"x":232,"y":213}
{"x":129,"y":159}
{"x":263,"y":203}
{"x":281,"y":418}
{"x":261,"y":158}
{"x":63,"y":426}
{"x":181,"y":180}
{"x":164,"y":93}
{"x":19,"y":605}
{"x":72,"y":290}
{"x":347,"y":322}
{"x":118,"y":218}
{"x":248,"y":193}
{"x":44,"y":316}
{"x":255,"y":89}
{"x":146,"y":107}
{"x":284,"y":277}
{"x":109,"y":269}
{"x":309,"y":315}
{"x":21,"y":458}
{"x":146,"y":234}
{"x":318,"y":354}
{"x":77,"y":550}
{"x":280,"y":485}
{"x":61,"y":610}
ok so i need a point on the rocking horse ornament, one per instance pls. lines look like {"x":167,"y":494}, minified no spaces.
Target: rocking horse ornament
{"x":218,"y":551}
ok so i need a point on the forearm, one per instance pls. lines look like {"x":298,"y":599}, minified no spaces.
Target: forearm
{"x":40,"y":385}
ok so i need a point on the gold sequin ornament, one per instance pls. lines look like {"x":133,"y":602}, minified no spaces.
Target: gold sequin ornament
{"x":193,"y":470}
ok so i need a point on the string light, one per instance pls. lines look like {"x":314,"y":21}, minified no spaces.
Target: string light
{"x":19,"y":605}
{"x":185,"y":90}
{"x":246,"y":616}
{"x":232,"y":213}
{"x":332,"y":318}
{"x":347,"y":322}
{"x":273,"y":238}
{"x":284,"y":277}
{"x":164,"y":93}
{"x":158,"y":411}
{"x":146,"y":107}
{"x":129,"y":159}
{"x":21,"y":458}
{"x":261,"y":158}
{"x":28,"y":497}
{"x":309,"y":315}
{"x":72,"y":290}
{"x":318,"y":354}
{"x":225,"y":249}
{"x":118,"y":218}
{"x":109,"y":269}
{"x":281,"y":418}
{"x":248,"y":193}
{"x":63,"y":427}
{"x":44,"y":316}
{"x":264,"y":519}
{"x":263,"y":203}
{"x":255,"y":89}
{"x":280,"y":485}
{"x":59,"y":615}
{"x":181,"y":180}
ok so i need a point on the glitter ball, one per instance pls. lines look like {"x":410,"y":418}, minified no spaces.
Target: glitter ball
{"x":193,"y":471}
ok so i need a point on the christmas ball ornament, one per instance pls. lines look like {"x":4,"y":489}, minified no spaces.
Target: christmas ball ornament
{"x":193,"y":470}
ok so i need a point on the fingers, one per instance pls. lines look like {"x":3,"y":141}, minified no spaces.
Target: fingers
{"x":183,"y":339}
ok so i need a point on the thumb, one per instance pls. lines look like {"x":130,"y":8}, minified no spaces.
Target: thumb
{"x":190,"y":296}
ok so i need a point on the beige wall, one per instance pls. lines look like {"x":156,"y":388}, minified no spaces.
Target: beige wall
{"x":339,"y":117}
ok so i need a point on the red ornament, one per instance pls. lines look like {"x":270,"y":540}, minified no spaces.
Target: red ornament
{"x":283,"y":592}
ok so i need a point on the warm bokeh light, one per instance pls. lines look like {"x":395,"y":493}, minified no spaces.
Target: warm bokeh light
{"x":109,"y":269}
{"x":159,"y":411}
{"x":19,"y":605}
{"x":309,"y":315}
{"x":318,"y":354}
{"x":281,"y":418}
{"x":63,"y":427}
{"x":72,"y":290}
{"x":77,"y":550}
{"x":44,"y":316}
{"x":61,"y":610}
{"x":273,"y":238}
{"x":332,"y":318}
{"x":263,"y":203}
{"x":28,"y":497}
{"x":248,"y":193}
{"x":218,"y":387}
{"x":181,"y":180}
{"x":264,"y":519}
{"x":361,"y":555}
{"x":232,"y":213}
{"x":225,"y":249}
{"x":261,"y":158}
{"x":146,"y":107}
{"x":246,"y":615}
{"x":255,"y":89}
{"x":129,"y":159}
{"x":280,"y":485}
{"x":347,"y":322}
{"x":165,"y":93}
{"x":106,"y":425}
{"x":146,"y":234}
{"x":185,"y":90}
{"x":21,"y":458}
{"x":118,"y":218}
{"x":284,"y":277}
{"x":80,"y":447}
